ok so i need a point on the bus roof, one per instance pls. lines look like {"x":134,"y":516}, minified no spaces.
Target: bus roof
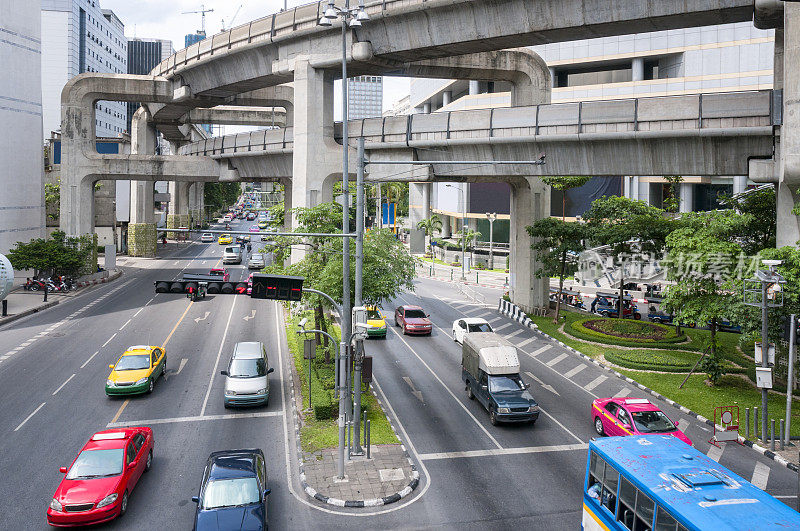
{"x":693,"y":487}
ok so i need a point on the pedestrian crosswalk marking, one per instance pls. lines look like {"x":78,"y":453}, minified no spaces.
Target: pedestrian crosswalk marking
{"x":539,"y":351}
{"x":623,"y":393}
{"x":760,"y":476}
{"x":513,"y":334}
{"x":715,"y":452}
{"x":594,"y":383}
{"x":576,"y":370}
{"x":529,"y":340}
{"x":556,"y":359}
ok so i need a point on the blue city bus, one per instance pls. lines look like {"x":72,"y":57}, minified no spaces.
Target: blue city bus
{"x":659,"y":483}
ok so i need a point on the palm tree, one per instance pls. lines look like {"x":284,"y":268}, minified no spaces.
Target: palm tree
{"x":430,"y":226}
{"x":469,"y":234}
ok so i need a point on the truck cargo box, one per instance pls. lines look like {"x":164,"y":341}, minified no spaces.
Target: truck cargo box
{"x":490,"y":353}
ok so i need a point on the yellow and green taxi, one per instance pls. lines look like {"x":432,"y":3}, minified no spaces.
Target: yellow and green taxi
{"x":376,"y":321}
{"x":263,"y":224}
{"x":224,"y":239}
{"x":137,"y":370}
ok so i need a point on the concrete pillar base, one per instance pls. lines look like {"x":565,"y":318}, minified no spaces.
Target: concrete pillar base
{"x":530,"y":200}
{"x":142,"y":239}
{"x":173,"y":222}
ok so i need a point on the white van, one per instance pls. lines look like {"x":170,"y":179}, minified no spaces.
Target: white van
{"x":232,"y":255}
{"x":247,"y":375}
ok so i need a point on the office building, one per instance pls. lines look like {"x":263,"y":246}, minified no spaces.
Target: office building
{"x":365,"y":97}
{"x":192,"y":38}
{"x":79,"y":36}
{"x":712,"y":59}
{"x":21,"y":163}
{"x":143,"y":56}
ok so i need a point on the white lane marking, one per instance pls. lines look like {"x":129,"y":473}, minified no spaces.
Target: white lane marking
{"x":715,"y":452}
{"x":414,"y":390}
{"x":28,"y":342}
{"x":556,"y":359}
{"x":623,"y":393}
{"x":481,"y":426}
{"x":760,"y":476}
{"x":198,"y":319}
{"x":251,"y":316}
{"x":594,"y":383}
{"x":21,"y":424}
{"x":219,"y":353}
{"x":109,"y":340}
{"x":138,"y":311}
{"x":177,"y":262}
{"x":200,"y":418}
{"x":540,"y":382}
{"x":126,"y":324}
{"x":497,"y":329}
{"x":63,"y":384}
{"x":181,"y":366}
{"x":540,"y":350}
{"x":514,"y":334}
{"x":529,"y":340}
{"x":572,"y":372}
{"x":85,"y":363}
{"x":503,"y":451}
{"x":551,"y":417}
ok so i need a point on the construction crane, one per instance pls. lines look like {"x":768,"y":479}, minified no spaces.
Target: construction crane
{"x":230,"y":22}
{"x":202,"y":12}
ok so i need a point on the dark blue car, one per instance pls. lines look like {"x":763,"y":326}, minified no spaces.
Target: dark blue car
{"x":233,"y":492}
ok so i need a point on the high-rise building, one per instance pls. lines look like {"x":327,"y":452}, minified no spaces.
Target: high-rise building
{"x":79,"y":36}
{"x":143,"y":56}
{"x":192,"y":38}
{"x":21,"y":162}
{"x":365,"y":97}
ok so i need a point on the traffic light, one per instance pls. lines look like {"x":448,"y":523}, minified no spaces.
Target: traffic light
{"x":277,"y":287}
{"x":212,"y":288}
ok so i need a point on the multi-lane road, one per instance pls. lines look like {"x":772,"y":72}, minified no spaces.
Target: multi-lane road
{"x":473,"y":475}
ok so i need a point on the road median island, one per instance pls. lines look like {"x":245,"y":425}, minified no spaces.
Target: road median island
{"x":388,"y":476}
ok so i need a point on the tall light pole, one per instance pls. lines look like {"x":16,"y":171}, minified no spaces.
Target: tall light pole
{"x":352,"y":18}
{"x":463,"y":230}
{"x":491,"y":217}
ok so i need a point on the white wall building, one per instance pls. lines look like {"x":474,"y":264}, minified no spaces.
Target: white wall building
{"x":365,"y":97}
{"x":79,"y":36}
{"x":22,"y":212}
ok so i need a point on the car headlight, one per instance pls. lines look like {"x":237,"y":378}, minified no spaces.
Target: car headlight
{"x":56,"y":505}
{"x":108,"y":500}
{"x":230,"y":393}
{"x":110,"y":383}
{"x":533,"y":409}
{"x":141,"y":381}
{"x":503,"y":410}
{"x":262,"y":391}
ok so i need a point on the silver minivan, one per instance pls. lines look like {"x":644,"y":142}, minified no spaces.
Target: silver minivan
{"x":247,"y":376}
{"x":232,"y":255}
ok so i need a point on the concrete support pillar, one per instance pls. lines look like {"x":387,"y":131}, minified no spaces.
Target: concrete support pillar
{"x":787,"y":54}
{"x":634,"y":187}
{"x":626,"y":186}
{"x":474,"y":87}
{"x":643,"y":193}
{"x":142,"y":225}
{"x":553,"y":78}
{"x":316,"y":155}
{"x":287,"y":205}
{"x":447,"y":97}
{"x":637,"y":69}
{"x":530,"y":200}
{"x":739,"y":184}
{"x":196,"y":204}
{"x":179,"y":206}
{"x":426,"y":108}
{"x":687,"y":197}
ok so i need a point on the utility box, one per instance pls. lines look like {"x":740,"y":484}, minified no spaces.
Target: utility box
{"x":110,"y":253}
{"x":366,"y":369}
{"x":359,"y":316}
{"x":764,"y":377}
{"x":309,"y":349}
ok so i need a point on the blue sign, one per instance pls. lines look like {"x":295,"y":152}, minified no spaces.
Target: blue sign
{"x":387,"y":214}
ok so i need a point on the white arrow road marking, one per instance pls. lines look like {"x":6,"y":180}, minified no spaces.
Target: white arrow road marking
{"x":251,"y":316}
{"x":181,"y":366}
{"x":198,"y":319}
{"x":414,"y":391}
{"x":546,"y":386}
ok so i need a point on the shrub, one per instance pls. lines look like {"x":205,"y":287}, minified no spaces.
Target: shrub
{"x":666,"y":337}
{"x":326,"y":411}
{"x":654,"y":360}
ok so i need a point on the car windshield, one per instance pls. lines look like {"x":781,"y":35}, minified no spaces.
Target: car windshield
{"x":256,"y":257}
{"x":415,"y":314}
{"x":652,"y":422}
{"x":234,"y":249}
{"x":97,"y":464}
{"x":231,"y":493}
{"x":133,"y":363}
{"x":479,"y":327}
{"x":374,"y":314}
{"x":504,"y":384}
{"x":251,"y":368}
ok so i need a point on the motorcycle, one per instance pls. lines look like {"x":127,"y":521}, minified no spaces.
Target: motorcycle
{"x":34,"y":284}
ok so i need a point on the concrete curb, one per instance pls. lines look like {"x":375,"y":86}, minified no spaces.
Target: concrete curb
{"x":112,"y":276}
{"x":512,"y":310}
{"x":311,"y":492}
{"x":12,"y":318}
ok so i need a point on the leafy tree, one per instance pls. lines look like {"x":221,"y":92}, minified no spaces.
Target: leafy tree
{"x":469,"y":234}
{"x":756,"y":229}
{"x":59,"y":255}
{"x":672,"y":202}
{"x":558,"y":243}
{"x":629,"y":228}
{"x":703,"y":261}
{"x":431,"y":225}
{"x":564,"y":183}
{"x":220,"y":195}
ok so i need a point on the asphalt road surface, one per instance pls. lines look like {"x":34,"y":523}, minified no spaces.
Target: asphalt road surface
{"x":473,"y":475}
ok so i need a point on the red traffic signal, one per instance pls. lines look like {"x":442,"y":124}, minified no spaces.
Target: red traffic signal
{"x":277,"y":287}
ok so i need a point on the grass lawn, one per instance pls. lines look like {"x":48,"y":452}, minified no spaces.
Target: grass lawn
{"x":317,"y":434}
{"x":730,"y":391}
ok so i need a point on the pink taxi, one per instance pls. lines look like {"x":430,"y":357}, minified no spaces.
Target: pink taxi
{"x":632,"y":416}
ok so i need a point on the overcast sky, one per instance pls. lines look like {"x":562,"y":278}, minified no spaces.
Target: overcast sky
{"x":162,"y":19}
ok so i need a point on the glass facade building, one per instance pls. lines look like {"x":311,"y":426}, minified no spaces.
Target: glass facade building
{"x":143,"y":56}
{"x":365,"y":97}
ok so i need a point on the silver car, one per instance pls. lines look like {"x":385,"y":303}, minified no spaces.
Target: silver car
{"x":232,"y":255}
{"x":256,"y":261}
{"x":247,"y":376}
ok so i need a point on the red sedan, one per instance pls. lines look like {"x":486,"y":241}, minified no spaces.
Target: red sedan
{"x":413,"y":319}
{"x":99,"y":481}
{"x":632,"y":416}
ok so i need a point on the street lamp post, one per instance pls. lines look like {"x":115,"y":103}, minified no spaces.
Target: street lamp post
{"x":352,"y":18}
{"x":491,"y":217}
{"x":463,"y":231}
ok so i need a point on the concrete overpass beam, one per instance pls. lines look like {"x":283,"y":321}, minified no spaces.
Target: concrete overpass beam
{"x":530,"y":200}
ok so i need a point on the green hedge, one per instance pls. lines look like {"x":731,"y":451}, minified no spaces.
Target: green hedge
{"x":654,"y":360}
{"x":576,"y":329}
